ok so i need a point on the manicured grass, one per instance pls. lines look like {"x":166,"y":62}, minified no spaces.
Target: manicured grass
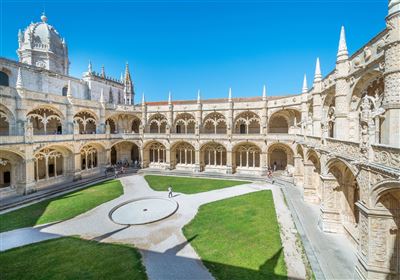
{"x":71,"y":258}
{"x":238,"y":238}
{"x":61,"y":208}
{"x":188,"y":185}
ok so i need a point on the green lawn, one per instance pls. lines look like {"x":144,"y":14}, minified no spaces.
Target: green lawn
{"x":61,"y":208}
{"x":71,"y":258}
{"x":238,"y":238}
{"x":188,"y":185}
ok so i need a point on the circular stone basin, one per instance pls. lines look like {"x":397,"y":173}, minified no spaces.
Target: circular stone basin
{"x":143,"y":211}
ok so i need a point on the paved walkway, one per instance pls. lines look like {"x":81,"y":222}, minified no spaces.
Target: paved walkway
{"x":166,"y":252}
{"x":333,"y":252}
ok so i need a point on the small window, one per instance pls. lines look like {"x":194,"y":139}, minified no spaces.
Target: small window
{"x":4,"y":81}
{"x":65,"y":91}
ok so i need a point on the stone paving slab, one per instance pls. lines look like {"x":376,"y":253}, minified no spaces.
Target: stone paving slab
{"x":332,"y":251}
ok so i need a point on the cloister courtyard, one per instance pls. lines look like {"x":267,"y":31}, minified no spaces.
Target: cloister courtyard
{"x":222,"y":229}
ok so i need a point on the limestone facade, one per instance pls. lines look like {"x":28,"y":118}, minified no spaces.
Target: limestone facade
{"x":339,"y":140}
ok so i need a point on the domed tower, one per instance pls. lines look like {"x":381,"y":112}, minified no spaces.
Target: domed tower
{"x":42,"y":46}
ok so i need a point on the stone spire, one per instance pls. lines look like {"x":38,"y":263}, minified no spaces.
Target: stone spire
{"x":90,"y":68}
{"x":19,"y":83}
{"x":342,"y":54}
{"x":318,"y":75}
{"x":198,"y":97}
{"x":264,"y":94}
{"x":128,"y":86}
{"x":103,"y":72}
{"x":143,"y":99}
{"x":230,"y":95}
{"x":305,"y":84}
{"x":121,"y":78}
{"x":169,"y":98}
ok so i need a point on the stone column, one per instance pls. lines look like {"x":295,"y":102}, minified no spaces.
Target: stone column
{"x":229,"y":168}
{"x":197,"y":161}
{"x":198,"y":116}
{"x":310,"y":189}
{"x":27,"y":184}
{"x":304,"y":113}
{"x":101,"y":126}
{"x":77,"y":166}
{"x":298,"y":171}
{"x":263,"y":162}
{"x":108,"y":156}
{"x":142,"y":159}
{"x":330,"y":207}
{"x":69,"y":122}
{"x":377,"y":256}
{"x":391,"y":124}
{"x":168,"y":158}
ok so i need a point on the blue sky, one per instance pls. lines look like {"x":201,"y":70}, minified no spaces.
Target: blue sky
{"x":184,"y":46}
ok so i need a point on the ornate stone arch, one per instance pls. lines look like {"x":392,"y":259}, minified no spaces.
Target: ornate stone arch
{"x":281,"y":121}
{"x":281,"y":156}
{"x":7,"y":121}
{"x":185,"y":123}
{"x":381,"y":188}
{"x":86,"y":120}
{"x":247,"y":122}
{"x":157,"y":123}
{"x":46,"y":120}
{"x":214,"y":123}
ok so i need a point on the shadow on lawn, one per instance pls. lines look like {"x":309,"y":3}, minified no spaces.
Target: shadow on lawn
{"x":170,"y":258}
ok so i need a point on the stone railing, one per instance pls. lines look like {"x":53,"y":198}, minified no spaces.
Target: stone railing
{"x":280,"y":137}
{"x":7,"y":140}
{"x":7,"y":91}
{"x":387,"y":156}
{"x":342,"y":148}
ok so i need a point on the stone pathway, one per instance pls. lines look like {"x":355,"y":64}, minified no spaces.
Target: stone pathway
{"x":166,"y":252}
{"x":332,"y":253}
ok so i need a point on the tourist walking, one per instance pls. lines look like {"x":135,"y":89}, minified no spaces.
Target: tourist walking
{"x":169,"y":191}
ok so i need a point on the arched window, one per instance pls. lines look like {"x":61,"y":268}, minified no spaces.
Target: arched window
{"x":65,"y":91}
{"x":4,"y":80}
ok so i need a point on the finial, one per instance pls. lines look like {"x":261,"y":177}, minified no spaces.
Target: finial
{"x":90,"y":69}
{"x":43,"y":17}
{"x":143,"y":99}
{"x":264,"y":94}
{"x":103,"y":72}
{"x":198,"y":96}
{"x":342,"y":54}
{"x":230,"y":94}
{"x":305,"y":86}
{"x":121,"y":78}
{"x":19,"y":83}
{"x":169,"y":98}
{"x":318,"y":75}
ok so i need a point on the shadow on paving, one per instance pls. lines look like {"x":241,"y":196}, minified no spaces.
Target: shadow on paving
{"x":171,"y":266}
